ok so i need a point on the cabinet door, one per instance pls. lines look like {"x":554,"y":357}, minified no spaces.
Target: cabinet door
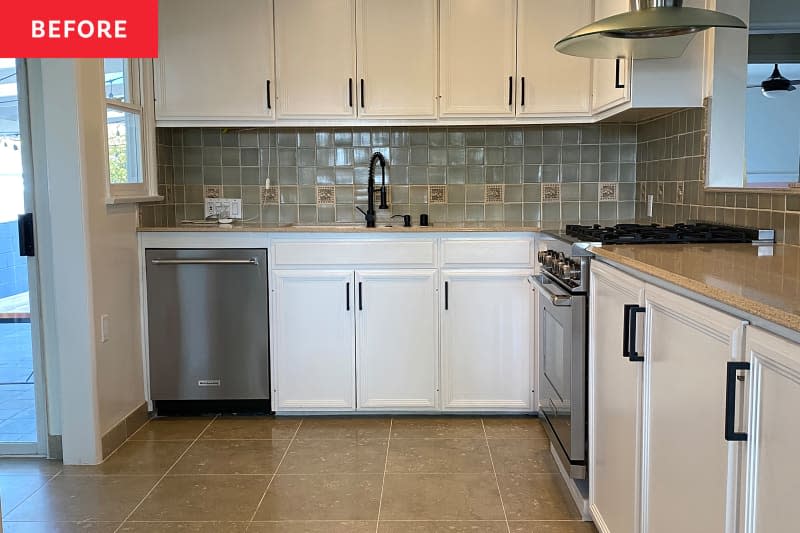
{"x":610,"y":85}
{"x":773,"y":433}
{"x":686,"y":457}
{"x":615,"y":399}
{"x":314,"y":341}
{"x":396,"y":339}
{"x":551,"y":83}
{"x":214,"y":62}
{"x":478,"y":57}
{"x":486,"y":341}
{"x":315,"y":58}
{"x":397,"y":50}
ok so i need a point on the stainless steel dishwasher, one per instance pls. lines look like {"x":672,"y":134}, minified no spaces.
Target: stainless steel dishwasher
{"x":207,"y":324}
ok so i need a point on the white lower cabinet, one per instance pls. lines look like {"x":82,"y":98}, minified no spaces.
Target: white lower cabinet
{"x":314,"y":341}
{"x":772,"y":431}
{"x":397,"y":339}
{"x":659,"y":460}
{"x":486,"y":340}
{"x":615,"y":404}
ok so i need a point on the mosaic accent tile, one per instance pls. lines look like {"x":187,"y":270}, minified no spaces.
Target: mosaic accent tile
{"x":642,"y":191}
{"x":437,"y":194}
{"x":212,"y":191}
{"x":269,"y":195}
{"x":551,"y":192}
{"x":607,"y":192}
{"x":680,"y":192}
{"x":494,"y":194}
{"x":377,"y":196}
{"x":326,"y":195}
{"x":660,"y":193}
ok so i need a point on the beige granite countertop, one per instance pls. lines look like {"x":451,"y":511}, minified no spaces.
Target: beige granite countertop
{"x":345,"y":228}
{"x":766,"y":286}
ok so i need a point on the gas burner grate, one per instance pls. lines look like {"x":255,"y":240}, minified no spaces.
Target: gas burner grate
{"x":653,"y":233}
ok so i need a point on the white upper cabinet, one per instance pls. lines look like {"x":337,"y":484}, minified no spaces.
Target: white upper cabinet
{"x":772,"y":433}
{"x":610,"y":85}
{"x":486,"y":341}
{"x":687,"y":349}
{"x":315,"y":58}
{"x":397,"y":339}
{"x":397,"y":58}
{"x":550,"y":83}
{"x":215,"y":63}
{"x":478,"y":58}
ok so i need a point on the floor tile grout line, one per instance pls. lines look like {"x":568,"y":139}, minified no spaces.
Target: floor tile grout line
{"x":496,"y":480}
{"x":157,"y":483}
{"x":275,"y":473}
{"x":29,"y":496}
{"x":383,"y":480}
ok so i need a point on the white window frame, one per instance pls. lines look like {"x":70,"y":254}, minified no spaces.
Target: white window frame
{"x":142,"y":103}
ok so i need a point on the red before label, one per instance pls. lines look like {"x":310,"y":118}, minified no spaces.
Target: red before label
{"x":80,"y":28}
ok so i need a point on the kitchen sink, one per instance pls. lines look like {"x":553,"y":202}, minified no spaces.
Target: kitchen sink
{"x":340,"y":226}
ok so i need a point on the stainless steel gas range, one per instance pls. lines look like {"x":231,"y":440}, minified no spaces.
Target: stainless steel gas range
{"x":564,"y":259}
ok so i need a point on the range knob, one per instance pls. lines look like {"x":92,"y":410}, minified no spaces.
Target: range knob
{"x":566,"y":269}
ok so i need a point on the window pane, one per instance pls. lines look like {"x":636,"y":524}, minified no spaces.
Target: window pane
{"x":11,"y":184}
{"x":117,"y":79}
{"x":124,"y":146}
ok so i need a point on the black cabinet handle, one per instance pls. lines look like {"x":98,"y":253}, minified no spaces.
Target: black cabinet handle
{"x":510,"y":90}
{"x":631,"y":310}
{"x":626,"y":330}
{"x":617,"y":81}
{"x":269,"y":97}
{"x":522,"y":96}
{"x":350,"y":91}
{"x":347,"y":295}
{"x":27,"y":241}
{"x":360,"y":305}
{"x":446,"y":295}
{"x":730,"y":402}
{"x":362,"y":93}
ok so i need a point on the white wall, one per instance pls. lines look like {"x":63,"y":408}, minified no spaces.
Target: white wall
{"x":89,"y":266}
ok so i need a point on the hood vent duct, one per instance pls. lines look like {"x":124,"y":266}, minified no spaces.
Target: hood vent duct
{"x":652,"y":29}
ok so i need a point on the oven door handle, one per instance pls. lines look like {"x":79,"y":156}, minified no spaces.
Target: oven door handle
{"x":559,"y":300}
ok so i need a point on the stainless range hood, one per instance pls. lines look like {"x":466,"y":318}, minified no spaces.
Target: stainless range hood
{"x":652,"y":29}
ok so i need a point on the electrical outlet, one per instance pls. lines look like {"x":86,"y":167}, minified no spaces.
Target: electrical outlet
{"x":233,"y":207}
{"x":105,"y":328}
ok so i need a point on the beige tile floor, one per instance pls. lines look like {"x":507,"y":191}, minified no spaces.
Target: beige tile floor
{"x":292,"y":475}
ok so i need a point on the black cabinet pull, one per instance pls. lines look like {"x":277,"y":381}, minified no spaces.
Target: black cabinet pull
{"x":446,"y":295}
{"x":510,"y":90}
{"x":269,"y":98}
{"x":522,"y":96}
{"x":730,"y":402}
{"x":347,"y":295}
{"x":360,"y":305}
{"x":362,"y":93}
{"x":350,"y":91}
{"x":617,"y":81}
{"x":633,"y":355}
{"x":626,"y":330}
{"x":27,"y":241}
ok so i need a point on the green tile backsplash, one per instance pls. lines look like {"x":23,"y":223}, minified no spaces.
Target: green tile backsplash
{"x":472,"y":174}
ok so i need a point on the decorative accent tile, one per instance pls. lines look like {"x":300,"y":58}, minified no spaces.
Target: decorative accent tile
{"x":377,"y":196}
{"x":437,"y":194}
{"x":607,"y":192}
{"x":660,"y":193}
{"x":494,"y":194}
{"x":642,"y":191}
{"x":551,"y":192}
{"x":680,"y":192}
{"x":212,"y":191}
{"x":326,"y":195}
{"x":269,"y":195}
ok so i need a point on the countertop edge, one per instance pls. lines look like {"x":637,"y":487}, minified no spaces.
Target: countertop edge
{"x":358,"y":230}
{"x":788,"y":323}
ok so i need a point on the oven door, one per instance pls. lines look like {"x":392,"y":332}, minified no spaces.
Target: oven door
{"x":562,"y":371}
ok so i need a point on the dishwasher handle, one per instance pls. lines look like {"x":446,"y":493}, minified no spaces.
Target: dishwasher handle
{"x":251,"y":261}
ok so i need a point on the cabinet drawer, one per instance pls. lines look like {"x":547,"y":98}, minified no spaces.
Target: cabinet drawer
{"x":321,"y":253}
{"x":489,"y":252}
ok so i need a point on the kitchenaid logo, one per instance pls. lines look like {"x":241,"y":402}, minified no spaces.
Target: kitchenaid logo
{"x":80,"y":28}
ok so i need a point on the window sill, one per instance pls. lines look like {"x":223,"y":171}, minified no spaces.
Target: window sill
{"x":118,"y":200}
